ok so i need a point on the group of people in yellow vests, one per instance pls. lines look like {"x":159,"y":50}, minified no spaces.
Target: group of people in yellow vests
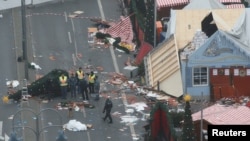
{"x":77,"y":83}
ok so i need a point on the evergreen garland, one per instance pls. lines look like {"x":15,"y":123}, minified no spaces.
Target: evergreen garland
{"x":162,"y":106}
{"x":138,"y":14}
{"x":149,"y":23}
{"x":141,"y":6}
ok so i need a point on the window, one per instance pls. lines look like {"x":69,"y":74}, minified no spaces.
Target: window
{"x":200,"y":76}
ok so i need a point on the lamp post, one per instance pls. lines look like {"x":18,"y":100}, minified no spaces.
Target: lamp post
{"x":24,"y":38}
{"x":201,"y":125}
{"x":37,"y":131}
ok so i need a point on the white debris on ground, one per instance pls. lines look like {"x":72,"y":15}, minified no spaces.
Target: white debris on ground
{"x":127,"y":119}
{"x":130,"y":111}
{"x":116,"y":113}
{"x":74,"y":125}
{"x":139,"y":106}
{"x":152,"y":94}
{"x":37,"y":67}
{"x":12,"y":83}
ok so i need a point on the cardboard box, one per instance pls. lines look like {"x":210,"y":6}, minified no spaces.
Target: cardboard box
{"x":130,"y":71}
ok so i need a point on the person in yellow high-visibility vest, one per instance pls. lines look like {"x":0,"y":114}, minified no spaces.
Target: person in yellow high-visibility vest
{"x":91,"y":82}
{"x":80,"y":76}
{"x":64,"y":85}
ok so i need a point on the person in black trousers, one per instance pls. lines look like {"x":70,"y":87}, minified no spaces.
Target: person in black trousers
{"x":107,"y":108}
{"x":91,"y":77}
{"x":72,"y":85}
{"x":49,"y":88}
{"x":84,"y":89}
{"x":97,"y":88}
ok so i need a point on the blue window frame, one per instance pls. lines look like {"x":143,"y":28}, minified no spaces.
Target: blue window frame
{"x":200,"y":76}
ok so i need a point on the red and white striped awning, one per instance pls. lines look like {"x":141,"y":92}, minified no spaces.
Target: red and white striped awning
{"x":230,"y":1}
{"x":221,"y":114}
{"x":169,"y":3}
{"x":122,"y":29}
{"x":235,"y":6}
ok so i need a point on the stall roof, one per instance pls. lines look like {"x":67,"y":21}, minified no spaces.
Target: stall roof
{"x":235,"y":6}
{"x":170,"y":3}
{"x":221,"y":114}
{"x":230,"y":1}
{"x":122,"y":29}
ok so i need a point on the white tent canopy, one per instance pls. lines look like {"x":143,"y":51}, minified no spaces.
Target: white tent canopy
{"x":241,"y":30}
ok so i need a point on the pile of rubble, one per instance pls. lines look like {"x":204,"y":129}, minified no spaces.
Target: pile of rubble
{"x":243,"y":100}
{"x":152,"y":96}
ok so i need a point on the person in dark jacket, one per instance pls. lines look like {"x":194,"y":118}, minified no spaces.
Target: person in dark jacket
{"x":73,"y":85}
{"x":107,"y":108}
{"x":97,"y":88}
{"x":84,"y":89}
{"x":80,"y":75}
{"x":91,"y":82}
{"x":49,"y":88}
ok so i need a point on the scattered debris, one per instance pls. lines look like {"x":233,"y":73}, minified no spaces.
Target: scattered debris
{"x":127,"y":119}
{"x":243,"y":100}
{"x":77,"y":107}
{"x":5,"y":99}
{"x":79,"y":12}
{"x":37,"y":67}
{"x":140,"y":106}
{"x":12,"y":83}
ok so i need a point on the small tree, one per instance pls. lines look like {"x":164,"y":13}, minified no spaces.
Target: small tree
{"x":188,"y":126}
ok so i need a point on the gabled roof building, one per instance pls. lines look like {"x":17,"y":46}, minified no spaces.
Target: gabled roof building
{"x":206,"y":52}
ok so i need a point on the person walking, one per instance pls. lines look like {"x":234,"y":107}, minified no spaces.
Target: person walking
{"x":91,"y":82}
{"x":80,"y":76}
{"x":63,"y":85}
{"x":107,"y":109}
{"x":84,"y":89}
{"x":73,"y":85}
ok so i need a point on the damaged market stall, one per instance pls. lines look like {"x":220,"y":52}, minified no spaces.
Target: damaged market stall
{"x":119,"y":34}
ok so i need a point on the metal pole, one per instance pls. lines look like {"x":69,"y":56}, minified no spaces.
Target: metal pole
{"x":201,"y":131}
{"x":37,"y":128}
{"x":155,"y":15}
{"x":24,"y":38}
{"x":37,"y":115}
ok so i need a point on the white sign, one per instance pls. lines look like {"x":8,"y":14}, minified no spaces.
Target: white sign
{"x":227,"y":72}
{"x":215,"y":72}
{"x":248,"y":72}
{"x":236,"y":72}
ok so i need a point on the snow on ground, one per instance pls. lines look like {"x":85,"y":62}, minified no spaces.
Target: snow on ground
{"x":127,"y":119}
{"x":139,"y":106}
